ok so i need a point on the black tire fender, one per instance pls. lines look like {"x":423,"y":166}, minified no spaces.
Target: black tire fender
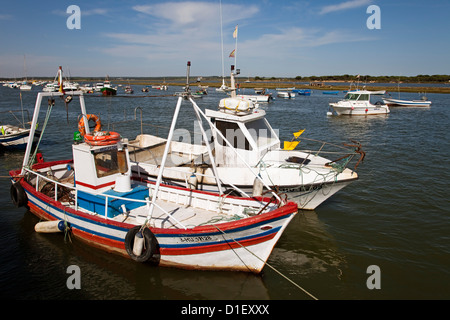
{"x":18,"y":195}
{"x":150,"y":244}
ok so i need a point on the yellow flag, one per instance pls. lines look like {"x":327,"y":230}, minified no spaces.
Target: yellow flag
{"x":232,"y":54}
{"x":235,"y":32}
{"x":298,"y":133}
{"x":290,"y":145}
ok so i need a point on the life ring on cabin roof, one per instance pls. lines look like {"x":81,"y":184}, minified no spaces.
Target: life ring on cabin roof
{"x":82,"y":127}
{"x":102,"y":138}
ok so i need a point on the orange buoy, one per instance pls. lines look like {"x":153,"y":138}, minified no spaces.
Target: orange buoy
{"x":82,"y":127}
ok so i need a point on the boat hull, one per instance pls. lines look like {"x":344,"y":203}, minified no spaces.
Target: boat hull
{"x":242,"y":245}
{"x":307,"y":196}
{"x":108,"y":91}
{"x":350,"y":110}
{"x":17,"y":140}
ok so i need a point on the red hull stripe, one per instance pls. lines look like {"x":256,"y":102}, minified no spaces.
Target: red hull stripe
{"x":95,"y":187}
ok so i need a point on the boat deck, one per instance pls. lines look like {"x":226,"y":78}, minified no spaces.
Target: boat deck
{"x":175,"y":216}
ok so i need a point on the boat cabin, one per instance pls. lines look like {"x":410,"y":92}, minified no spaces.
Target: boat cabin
{"x":361,"y":95}
{"x":105,"y":171}
{"x":246,"y":129}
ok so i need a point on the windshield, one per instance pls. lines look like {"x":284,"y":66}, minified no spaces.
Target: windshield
{"x":261,"y":133}
{"x":357,"y":97}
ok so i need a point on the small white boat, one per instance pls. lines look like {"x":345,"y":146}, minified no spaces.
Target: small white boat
{"x":286,"y":94}
{"x":98,"y":86}
{"x":223,"y":87}
{"x":256,"y":98}
{"x":357,"y":103}
{"x":70,"y":86}
{"x":86,"y":88}
{"x":50,"y":87}
{"x":162,"y":87}
{"x":15,"y":137}
{"x":407,"y":103}
{"x":25,"y":87}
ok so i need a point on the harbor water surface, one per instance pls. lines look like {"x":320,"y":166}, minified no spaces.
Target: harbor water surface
{"x":396,"y":216}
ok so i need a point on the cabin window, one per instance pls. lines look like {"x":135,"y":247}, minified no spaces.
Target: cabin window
{"x":106,"y":163}
{"x":233,"y":134}
{"x":363,"y":97}
{"x":352,"y":96}
{"x":261,"y":132}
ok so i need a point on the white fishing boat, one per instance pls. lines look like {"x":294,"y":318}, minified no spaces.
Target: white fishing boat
{"x":407,"y":103}
{"x":25,"y":86}
{"x":256,"y":98}
{"x":357,"y":103}
{"x":50,"y":87}
{"x":98,"y":86}
{"x":241,"y":136}
{"x":71,"y":86}
{"x":286,"y":94}
{"x":86,"y":88}
{"x":94,"y":198}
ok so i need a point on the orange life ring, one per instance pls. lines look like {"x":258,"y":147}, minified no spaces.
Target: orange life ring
{"x":102,"y":138}
{"x":82,"y":127}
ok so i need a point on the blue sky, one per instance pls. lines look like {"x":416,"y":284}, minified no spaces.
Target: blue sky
{"x":275,"y":38}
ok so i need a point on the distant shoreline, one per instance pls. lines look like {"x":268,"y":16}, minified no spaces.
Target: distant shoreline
{"x":215,"y":82}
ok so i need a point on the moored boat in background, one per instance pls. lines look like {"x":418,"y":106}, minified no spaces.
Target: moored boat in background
{"x":424,"y":102}
{"x":357,"y":103}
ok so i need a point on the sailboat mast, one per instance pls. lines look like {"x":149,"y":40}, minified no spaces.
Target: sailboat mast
{"x":235,"y":35}
{"x":221,"y":39}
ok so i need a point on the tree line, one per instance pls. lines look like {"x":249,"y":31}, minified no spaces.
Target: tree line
{"x":421,"y":78}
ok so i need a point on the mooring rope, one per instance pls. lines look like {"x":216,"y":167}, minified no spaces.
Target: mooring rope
{"x":270,"y":266}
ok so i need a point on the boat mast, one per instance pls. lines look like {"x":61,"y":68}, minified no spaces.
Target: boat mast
{"x":235,"y":35}
{"x":221,"y":39}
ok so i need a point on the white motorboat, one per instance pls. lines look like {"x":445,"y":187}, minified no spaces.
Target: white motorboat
{"x":242,"y":135}
{"x":286,"y":94}
{"x":70,"y":86}
{"x":407,"y":103}
{"x":256,"y":98}
{"x":25,"y":86}
{"x":357,"y":103}
{"x":50,"y":87}
{"x":98,"y":86}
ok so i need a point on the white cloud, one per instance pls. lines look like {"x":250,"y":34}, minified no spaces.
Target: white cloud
{"x":183,"y":31}
{"x":345,"y":6}
{"x":6,"y":17}
{"x":197,"y":13}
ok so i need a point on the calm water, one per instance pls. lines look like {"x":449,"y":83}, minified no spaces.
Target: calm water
{"x":396,"y":216}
